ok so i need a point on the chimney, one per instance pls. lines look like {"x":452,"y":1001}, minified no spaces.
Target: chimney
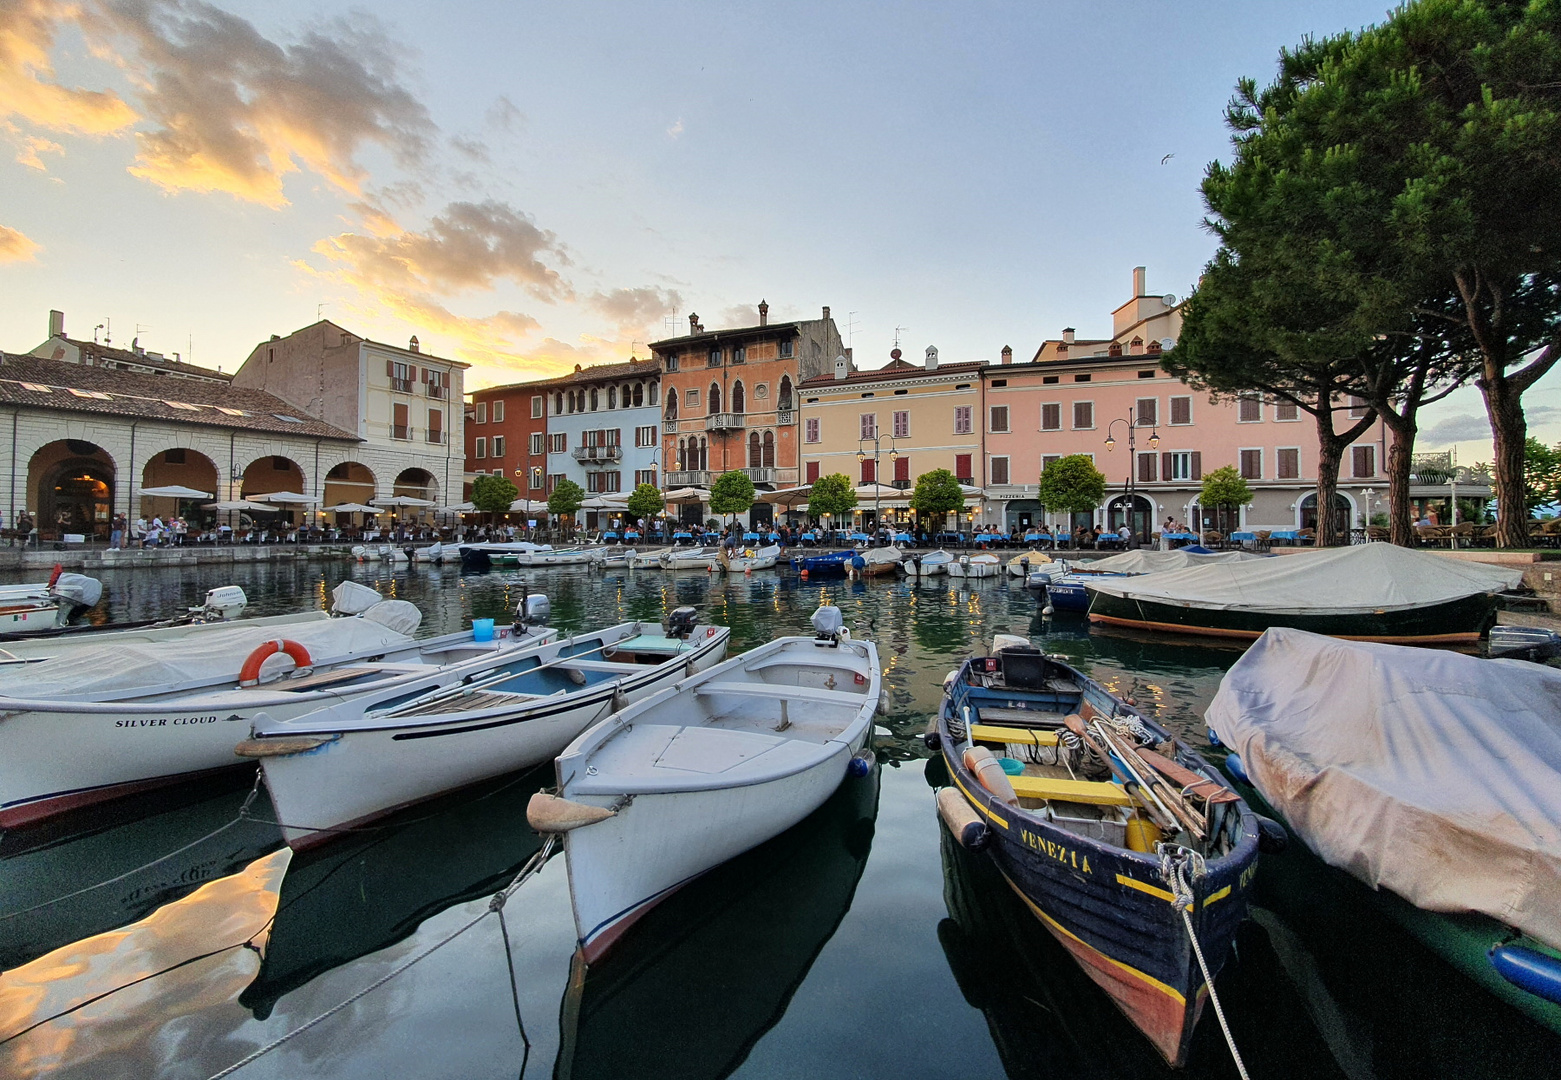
{"x":1138,"y":281}
{"x":843,"y":366}
{"x":412,"y":345}
{"x":826,"y":311}
{"x":56,"y":324}
{"x":693,"y":323}
{"x":1067,"y":335}
{"x":932,"y":357}
{"x":1008,"y":354}
{"x":764,"y":313}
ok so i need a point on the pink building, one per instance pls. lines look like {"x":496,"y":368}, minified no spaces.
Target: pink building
{"x":1076,"y":395}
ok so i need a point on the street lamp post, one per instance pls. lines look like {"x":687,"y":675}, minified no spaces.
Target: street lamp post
{"x":861,"y":455}
{"x":1132,"y":459}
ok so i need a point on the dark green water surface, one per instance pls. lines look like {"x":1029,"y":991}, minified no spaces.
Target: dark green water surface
{"x":859,"y":944}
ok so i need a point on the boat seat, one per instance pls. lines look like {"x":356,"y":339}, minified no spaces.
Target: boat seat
{"x":1024,"y":718}
{"x":1006,"y":735}
{"x":790,"y":693}
{"x":317,"y":680}
{"x":1091,"y":792}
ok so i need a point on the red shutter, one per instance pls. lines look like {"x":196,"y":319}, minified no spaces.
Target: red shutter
{"x":812,"y":472}
{"x":1197,"y":465}
{"x":902,"y":468}
{"x":1165,"y":466}
{"x":962,"y":466}
{"x":390,"y":368}
{"x":869,"y":471}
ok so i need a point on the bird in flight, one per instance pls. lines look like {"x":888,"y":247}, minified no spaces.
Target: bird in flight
{"x":1166,"y":159}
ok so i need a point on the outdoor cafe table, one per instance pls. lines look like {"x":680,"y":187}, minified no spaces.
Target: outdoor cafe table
{"x":631,"y":535}
{"x":1291,"y":535}
{"x":809,"y":538}
{"x":679,"y":537}
{"x":609,"y":537}
{"x":903,"y":538}
{"x":750,"y":536}
{"x":1185,"y":537}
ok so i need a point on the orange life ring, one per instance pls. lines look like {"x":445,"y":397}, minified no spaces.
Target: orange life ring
{"x":249,"y":674}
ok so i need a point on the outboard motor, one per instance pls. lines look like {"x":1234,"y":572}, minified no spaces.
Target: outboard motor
{"x":77,"y":592}
{"x":680,"y":623}
{"x":829,"y":626}
{"x":222,"y":603}
{"x":534,"y":611}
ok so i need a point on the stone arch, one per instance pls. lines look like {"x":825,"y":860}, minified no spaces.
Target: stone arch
{"x":739,"y":399}
{"x":178,"y":466}
{"x":417,"y":484}
{"x":1344,"y":507}
{"x":1143,"y":514}
{"x":349,"y":482}
{"x":70,"y":485}
{"x":273,"y":472}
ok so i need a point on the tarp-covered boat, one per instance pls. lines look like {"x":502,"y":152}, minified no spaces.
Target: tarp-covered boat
{"x":1375,"y":592}
{"x":875,"y":561}
{"x":1431,"y":774}
{"x":1067,"y":593}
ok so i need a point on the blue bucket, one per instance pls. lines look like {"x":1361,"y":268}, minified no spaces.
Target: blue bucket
{"x":482,"y":629}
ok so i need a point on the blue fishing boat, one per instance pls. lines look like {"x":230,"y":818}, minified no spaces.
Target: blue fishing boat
{"x":829,"y":564}
{"x":1123,"y":842}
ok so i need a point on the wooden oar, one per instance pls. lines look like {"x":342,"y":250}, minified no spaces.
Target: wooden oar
{"x":1162,"y":791}
{"x":1161,"y":816}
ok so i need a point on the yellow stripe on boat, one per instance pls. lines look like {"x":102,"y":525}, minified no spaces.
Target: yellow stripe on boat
{"x":978,"y":803}
{"x":1092,"y":792}
{"x":1144,"y":886}
{"x":1220,"y":895}
{"x":990,"y":733}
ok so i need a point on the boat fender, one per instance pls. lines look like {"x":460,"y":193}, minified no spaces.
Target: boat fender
{"x":858,"y":562}
{"x":249,"y":674}
{"x":1272,"y":837}
{"x":883,"y":703}
{"x":1214,"y":738}
{"x":575,"y":676}
{"x":550,"y":814}
{"x":861,"y":763}
{"x":933,"y":740}
{"x":1528,"y":969}
{"x":1234,"y":766}
{"x":281,"y":746}
{"x":961,"y":819}
{"x":989,"y":772}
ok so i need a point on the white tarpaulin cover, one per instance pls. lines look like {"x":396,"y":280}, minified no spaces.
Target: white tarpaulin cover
{"x":126,"y":669}
{"x":1330,"y":581}
{"x":1145,"y":561}
{"x":1433,"y":774}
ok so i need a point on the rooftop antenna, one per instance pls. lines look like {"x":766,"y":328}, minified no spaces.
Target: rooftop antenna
{"x":669,"y":324}
{"x":108,"y":328}
{"x":898,"y":330}
{"x":95,"y":330}
{"x":850,"y":328}
{"x":318,"y":308}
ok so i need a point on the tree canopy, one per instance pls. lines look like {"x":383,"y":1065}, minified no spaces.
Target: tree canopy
{"x":834,"y":495}
{"x":566,"y":498}
{"x":1541,"y":476}
{"x":937,"y":493}
{"x":1071,"y":485}
{"x":732,"y":493}
{"x":646,"y":501}
{"x":494,"y":494}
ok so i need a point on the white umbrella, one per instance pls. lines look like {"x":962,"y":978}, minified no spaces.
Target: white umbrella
{"x":352,"y":508}
{"x":869,"y":492}
{"x":288,"y":497}
{"x":605,"y":502}
{"x":464,"y":508}
{"x":403,"y":501}
{"x":785,"y":497}
{"x":971,"y":492}
{"x":175,"y":491}
{"x":240,"y":504}
{"x":527,"y":506}
{"x":687,"y":495}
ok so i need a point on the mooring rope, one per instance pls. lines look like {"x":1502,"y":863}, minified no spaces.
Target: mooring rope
{"x":1180,"y":866}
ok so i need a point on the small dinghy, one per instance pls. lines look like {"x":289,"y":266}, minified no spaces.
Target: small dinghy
{"x":1099,"y":819}
{"x":433,"y":553}
{"x":934,"y":562}
{"x":696,"y":558}
{"x":976,"y":566}
{"x":646,"y":560}
{"x":875,"y":561}
{"x":1021,"y":564}
{"x":829,"y":564}
{"x":763,"y":558}
{"x":55,"y":603}
{"x":708,"y":768}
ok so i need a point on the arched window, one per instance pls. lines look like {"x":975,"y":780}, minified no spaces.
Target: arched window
{"x":558,"y":403}
{"x":784,"y":405}
{"x":672,"y":406}
{"x":737,"y":396}
{"x":639,"y":394}
{"x":754,"y":453}
{"x":682,"y":461}
{"x":769,"y":450}
{"x":612,"y":397}
{"x":651,"y":398}
{"x":715,"y":400}
{"x":704,"y":453}
{"x":593,"y":399}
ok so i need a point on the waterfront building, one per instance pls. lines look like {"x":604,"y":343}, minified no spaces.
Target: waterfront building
{"x":903,"y":419}
{"x":402,"y":404}
{"x":102,"y":354}
{"x":602,"y":428}
{"x":730,"y":400}
{"x":506,"y":435}
{"x":1077,"y":393}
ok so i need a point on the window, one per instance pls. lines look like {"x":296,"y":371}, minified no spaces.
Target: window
{"x":645,"y":476}
{"x":645,"y":436}
{"x":1181,"y":410}
{"x":536,"y":478}
{"x":812,"y":467}
{"x":1147,"y":411}
{"x":1000,"y":470}
{"x":536,"y":444}
{"x":672,"y":363}
{"x":498,"y":411}
{"x":498,"y":446}
{"x":1249,"y":409}
{"x":558,"y":403}
{"x":603,"y":482}
{"x":769,"y":450}
{"x":962,"y":420}
{"x":536,"y":406}
{"x":715,"y":399}
{"x":1288,"y":463}
{"x":1051,"y":380}
{"x":558,"y":443}
{"x":902,"y":424}
{"x":1047,"y":459}
{"x":435,"y":433}
{"x":1146,"y":374}
{"x":810,"y":430}
{"x":482,"y":447}
{"x":612,"y":397}
{"x":436,"y":382}
{"x":999,"y":382}
{"x":869,"y":471}
{"x":962,"y":471}
{"x":783,"y":350}
{"x":400,"y":376}
{"x":1357,"y":407}
{"x":1178,"y":465}
{"x":482,"y":412}
{"x":784,"y":404}
{"x":739,"y":355}
{"x":1081,"y":378}
{"x":553,"y":480}
{"x":1252,"y":464}
{"x":672,"y":404}
{"x":1051,"y":416}
{"x":868,"y":425}
{"x":1286,"y":410}
{"x":594,"y":398}
{"x":754,"y":454}
{"x":715,"y":358}
{"x":1148,"y":468}
{"x":739,"y":399}
{"x":902,"y":470}
{"x":691,"y":399}
{"x":399,"y":424}
{"x":999,"y":418}
{"x":1364,"y":461}
{"x":1083,"y":415}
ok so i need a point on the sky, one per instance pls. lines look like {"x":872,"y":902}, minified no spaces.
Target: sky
{"x":528,"y":187}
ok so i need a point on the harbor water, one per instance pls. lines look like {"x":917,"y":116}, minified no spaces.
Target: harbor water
{"x":861,"y":943}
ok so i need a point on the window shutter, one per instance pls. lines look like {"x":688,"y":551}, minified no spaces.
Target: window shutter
{"x":1197,"y":465}
{"x":1165,"y":466}
{"x":1146,"y":468}
{"x":812,"y":472}
{"x":390,"y":368}
{"x":962,"y":466}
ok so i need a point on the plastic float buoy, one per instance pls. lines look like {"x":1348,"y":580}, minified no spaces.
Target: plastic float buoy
{"x":957,"y":814}
{"x":1528,"y":969}
{"x":802,"y":573}
{"x":989,"y":771}
{"x":861,"y":763}
{"x":249,"y":674}
{"x":549,"y":814}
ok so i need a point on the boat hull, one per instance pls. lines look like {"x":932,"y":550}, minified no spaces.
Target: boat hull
{"x":1460,"y":621}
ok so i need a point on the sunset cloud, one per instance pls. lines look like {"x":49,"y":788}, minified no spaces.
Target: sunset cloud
{"x":636,"y":309}
{"x":15,"y":247}
{"x":237,"y":112}
{"x":27,"y":87}
{"x":34,"y":145}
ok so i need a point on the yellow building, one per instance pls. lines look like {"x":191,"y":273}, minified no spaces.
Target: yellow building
{"x":893,"y":424}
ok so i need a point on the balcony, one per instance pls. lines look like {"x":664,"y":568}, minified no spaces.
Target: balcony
{"x":436,"y":390}
{"x":760,"y":476}
{"x":724,"y":421}
{"x":688,"y":478}
{"x":902,"y":485}
{"x":784,"y":415}
{"x":435,"y":437}
{"x":401,"y":386}
{"x":400,"y":431}
{"x":669,"y":427}
{"x":598,"y":453}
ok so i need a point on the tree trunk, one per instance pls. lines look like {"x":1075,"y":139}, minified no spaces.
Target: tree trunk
{"x":1329,"y":452}
{"x":1509,"y":430}
{"x":1400,"y":457}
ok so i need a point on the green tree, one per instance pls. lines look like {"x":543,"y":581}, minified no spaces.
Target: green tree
{"x":1071,"y":485}
{"x":732,"y":493}
{"x":566,"y":499}
{"x":646,"y":501}
{"x":832,"y":495}
{"x":1225,"y":489}
{"x":494,"y":494}
{"x":1541,"y":475}
{"x":936,"y":495}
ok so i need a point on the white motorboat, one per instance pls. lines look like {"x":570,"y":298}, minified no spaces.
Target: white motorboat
{"x":934,"y":562}
{"x":378,"y":553}
{"x":984,"y":565}
{"x":353,"y":761}
{"x":433,"y":553}
{"x":870,"y":562}
{"x":763,"y":558}
{"x":98,"y":720}
{"x":707,"y":769}
{"x":577,"y":556}
{"x":484,"y":555}
{"x":647,"y":559}
{"x":48,"y":604}
{"x":695,"y":558}
{"x":221,"y":605}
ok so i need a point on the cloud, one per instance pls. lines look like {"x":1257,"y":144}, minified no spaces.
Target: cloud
{"x":237,"y":112}
{"x":504,"y":115}
{"x":636,"y":309}
{"x":475,"y":149}
{"x":32,"y":146}
{"x":27,"y":86}
{"x":16,"y":247}
{"x":676,"y":129}
{"x":1467,"y":427}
